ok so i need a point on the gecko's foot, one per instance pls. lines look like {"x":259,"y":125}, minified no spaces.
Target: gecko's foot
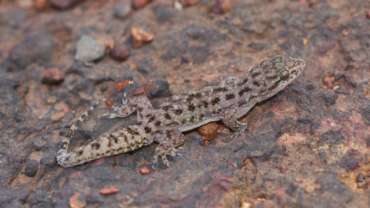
{"x":163,"y":154}
{"x":238,"y":130}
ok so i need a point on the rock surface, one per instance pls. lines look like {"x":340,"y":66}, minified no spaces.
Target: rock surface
{"x":306,"y":147}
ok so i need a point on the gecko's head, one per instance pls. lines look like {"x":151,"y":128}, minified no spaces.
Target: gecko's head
{"x":120,"y":99}
{"x":126,"y":98}
{"x":280,"y":71}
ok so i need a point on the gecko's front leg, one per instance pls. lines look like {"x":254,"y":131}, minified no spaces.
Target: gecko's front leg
{"x":168,"y":141}
{"x":231,"y":121}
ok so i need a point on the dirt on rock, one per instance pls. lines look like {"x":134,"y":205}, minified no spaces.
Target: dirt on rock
{"x":306,"y":147}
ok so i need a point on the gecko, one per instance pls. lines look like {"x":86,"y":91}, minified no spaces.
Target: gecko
{"x":165,"y":125}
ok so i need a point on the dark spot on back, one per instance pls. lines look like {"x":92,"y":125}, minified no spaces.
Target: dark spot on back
{"x":132,"y":131}
{"x":191,"y":107}
{"x":255,"y":73}
{"x":147,"y":129}
{"x":139,"y":109}
{"x":273,"y":86}
{"x":244,"y":90}
{"x":167,"y":116}
{"x":189,"y":98}
{"x":197,"y":95}
{"x":125,"y":138}
{"x":178,"y":111}
{"x":241,"y":103}
{"x":192,"y":118}
{"x":168,"y":134}
{"x":157,"y":123}
{"x":166,"y":107}
{"x":243,"y":82}
{"x":229,"y":96}
{"x":151,"y":119}
{"x":80,"y":152}
{"x":95,"y":145}
{"x":115,"y":139}
{"x":205,"y":104}
{"x":220,"y":89}
{"x":215,"y":101}
{"x":256,"y":83}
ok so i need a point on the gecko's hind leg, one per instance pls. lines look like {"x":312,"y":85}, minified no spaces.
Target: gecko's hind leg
{"x":232,"y":122}
{"x":168,"y":142}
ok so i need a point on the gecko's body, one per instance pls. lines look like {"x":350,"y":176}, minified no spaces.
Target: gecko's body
{"x":226,"y":102}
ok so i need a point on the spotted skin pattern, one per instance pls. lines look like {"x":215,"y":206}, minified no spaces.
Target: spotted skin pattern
{"x":227,"y":102}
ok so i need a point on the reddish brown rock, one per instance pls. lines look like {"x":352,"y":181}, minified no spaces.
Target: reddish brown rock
{"x":64,"y":4}
{"x":60,"y":111}
{"x":138,"y":4}
{"x":208,"y":132}
{"x":221,"y":6}
{"x":187,"y":3}
{"x":52,"y":76}
{"x":109,"y":190}
{"x":40,"y":4}
{"x":329,"y":81}
{"x":145,"y":170}
{"x":120,"y":53}
{"x":77,"y":201}
{"x":140,"y":37}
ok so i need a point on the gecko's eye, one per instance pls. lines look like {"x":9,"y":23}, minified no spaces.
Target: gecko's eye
{"x":124,"y":99}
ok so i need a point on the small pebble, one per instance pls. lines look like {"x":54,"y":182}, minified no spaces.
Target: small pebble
{"x":77,"y":200}
{"x":209,"y":132}
{"x":64,"y":4}
{"x":40,"y":4}
{"x":38,"y":144}
{"x":48,"y":160}
{"x":120,"y":52}
{"x":145,"y":170}
{"x":138,"y":4}
{"x":368,"y":14}
{"x":221,"y":6}
{"x":52,"y":76}
{"x":89,"y":49}
{"x":158,"y":88}
{"x":329,"y":81}
{"x":121,"y":10}
{"x":188,"y":3}
{"x":31,"y":168}
{"x":108,"y":190}
{"x":140,"y":37}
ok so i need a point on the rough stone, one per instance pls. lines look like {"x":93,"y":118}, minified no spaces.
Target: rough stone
{"x":64,"y":4}
{"x":52,"y":76}
{"x":35,"y":48}
{"x":31,"y":168}
{"x":89,"y":49}
{"x":121,"y":10}
{"x":163,"y":13}
{"x":138,"y":4}
{"x":159,"y":88}
{"x":120,"y":52}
